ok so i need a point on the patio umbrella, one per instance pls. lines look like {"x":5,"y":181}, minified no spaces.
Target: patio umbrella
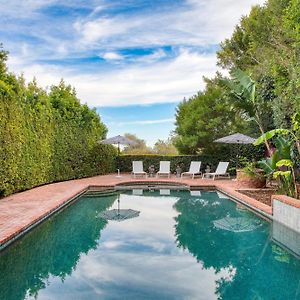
{"x":119,"y":214}
{"x":118,"y":140}
{"x":239,"y":224}
{"x":237,"y":138}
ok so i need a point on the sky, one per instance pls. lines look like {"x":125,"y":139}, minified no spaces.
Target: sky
{"x":134,"y":60}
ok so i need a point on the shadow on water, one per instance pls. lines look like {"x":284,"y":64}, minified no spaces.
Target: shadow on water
{"x":52,"y":249}
{"x":260,"y":269}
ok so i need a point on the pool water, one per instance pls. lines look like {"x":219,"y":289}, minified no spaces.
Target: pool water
{"x":182,"y":245}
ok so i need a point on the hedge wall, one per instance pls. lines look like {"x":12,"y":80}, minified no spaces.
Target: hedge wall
{"x":222,"y":153}
{"x":47,"y":137}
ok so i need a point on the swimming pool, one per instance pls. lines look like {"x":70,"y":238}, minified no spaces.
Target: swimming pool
{"x":181,"y":245}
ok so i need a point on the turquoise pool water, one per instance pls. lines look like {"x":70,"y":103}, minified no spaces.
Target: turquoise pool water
{"x":183,"y":245}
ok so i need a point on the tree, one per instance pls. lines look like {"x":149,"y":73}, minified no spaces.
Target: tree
{"x":3,"y":59}
{"x":165,"y":147}
{"x":205,"y":117}
{"x":266,"y":45}
{"x":139,"y":147}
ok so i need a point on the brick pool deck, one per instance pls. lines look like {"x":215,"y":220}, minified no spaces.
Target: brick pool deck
{"x":20,"y":211}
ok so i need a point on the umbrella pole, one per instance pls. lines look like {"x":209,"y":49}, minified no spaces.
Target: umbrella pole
{"x":238,"y":156}
{"x":118,"y":168}
{"x":118,"y":204}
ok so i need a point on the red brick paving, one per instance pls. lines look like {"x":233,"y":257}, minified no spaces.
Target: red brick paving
{"x":19,"y":211}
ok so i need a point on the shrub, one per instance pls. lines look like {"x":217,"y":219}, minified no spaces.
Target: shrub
{"x":47,"y":137}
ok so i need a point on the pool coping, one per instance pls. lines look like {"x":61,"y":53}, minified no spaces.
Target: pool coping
{"x":221,"y":186}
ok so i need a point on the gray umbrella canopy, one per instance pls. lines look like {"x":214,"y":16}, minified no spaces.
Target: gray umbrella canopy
{"x":118,"y":140}
{"x":119,"y":214}
{"x":239,"y":224}
{"x":237,"y":138}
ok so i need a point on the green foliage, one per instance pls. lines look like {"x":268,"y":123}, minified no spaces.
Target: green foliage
{"x":161,"y":147}
{"x":139,"y":147}
{"x":205,"y":117}
{"x":270,"y":134}
{"x":244,"y":90}
{"x":266,"y":45}
{"x":250,"y":168}
{"x":165,"y":147}
{"x":3,"y":58}
{"x":280,"y":165}
{"x":47,"y":137}
{"x":246,"y":97}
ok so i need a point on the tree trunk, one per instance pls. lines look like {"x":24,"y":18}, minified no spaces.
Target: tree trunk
{"x":259,"y":123}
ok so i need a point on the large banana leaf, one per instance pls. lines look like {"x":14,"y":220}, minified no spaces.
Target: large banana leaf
{"x":284,"y":147}
{"x":270,"y":134}
{"x":269,"y":164}
{"x":246,"y":84}
{"x":285,"y":162}
{"x":266,"y":165}
{"x":243,"y":89}
{"x":286,"y":174}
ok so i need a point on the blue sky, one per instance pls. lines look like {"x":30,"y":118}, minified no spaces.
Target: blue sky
{"x":157,"y":120}
{"x":133,"y":60}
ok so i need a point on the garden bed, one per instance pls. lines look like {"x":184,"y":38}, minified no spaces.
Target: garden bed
{"x":262,"y":195}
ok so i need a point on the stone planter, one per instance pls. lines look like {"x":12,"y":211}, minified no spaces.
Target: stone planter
{"x":251,"y":181}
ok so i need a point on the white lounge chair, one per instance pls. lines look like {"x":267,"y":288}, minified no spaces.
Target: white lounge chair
{"x":137,"y":169}
{"x":164,"y":169}
{"x":221,"y":171}
{"x":194,"y":169}
{"x":137,"y":192}
{"x":165,"y":192}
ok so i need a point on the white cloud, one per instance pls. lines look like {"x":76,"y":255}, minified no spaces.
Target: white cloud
{"x":167,"y":81}
{"x":150,"y":58}
{"x":143,"y":122}
{"x":132,"y":79}
{"x":112,"y":56}
{"x":102,"y":28}
{"x":198,"y":23}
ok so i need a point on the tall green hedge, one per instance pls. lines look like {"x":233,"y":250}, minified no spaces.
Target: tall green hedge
{"x":47,"y":137}
{"x":223,"y":153}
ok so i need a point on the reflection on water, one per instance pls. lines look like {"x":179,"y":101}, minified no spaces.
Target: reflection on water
{"x":172,"y":250}
{"x":52,"y":249}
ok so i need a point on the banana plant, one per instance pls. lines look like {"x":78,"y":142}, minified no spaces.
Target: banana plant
{"x":287,"y":178}
{"x":243,"y":88}
{"x":280,"y":165}
{"x":294,"y":133}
